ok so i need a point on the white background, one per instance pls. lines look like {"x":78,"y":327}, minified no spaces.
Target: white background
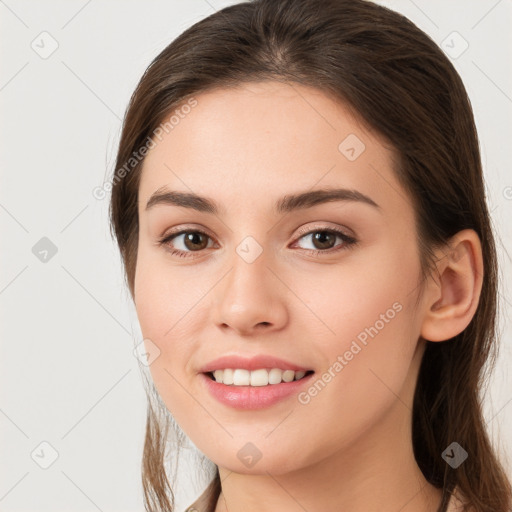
{"x":68,"y":376}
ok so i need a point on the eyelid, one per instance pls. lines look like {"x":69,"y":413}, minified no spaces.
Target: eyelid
{"x":304,"y":230}
{"x":349,"y":240}
{"x":185,"y":228}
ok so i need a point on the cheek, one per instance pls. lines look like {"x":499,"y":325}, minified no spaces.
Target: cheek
{"x":371,"y":342}
{"x":361,"y":310}
{"x":163,"y":296}
{"x":169,"y":306}
{"x":368,"y":296}
{"x":157,"y":307}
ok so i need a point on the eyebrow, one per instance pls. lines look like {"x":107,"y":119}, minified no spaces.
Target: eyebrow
{"x":285,"y":204}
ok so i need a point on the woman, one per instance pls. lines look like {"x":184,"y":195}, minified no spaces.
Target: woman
{"x":300,"y":209}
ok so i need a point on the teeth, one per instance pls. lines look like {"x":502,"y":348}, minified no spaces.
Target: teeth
{"x":274,"y":376}
{"x":262,"y":377}
{"x":241,"y":378}
{"x":259,"y":377}
{"x":227,"y":376}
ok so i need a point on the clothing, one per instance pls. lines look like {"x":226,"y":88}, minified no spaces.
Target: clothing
{"x":454,"y":505}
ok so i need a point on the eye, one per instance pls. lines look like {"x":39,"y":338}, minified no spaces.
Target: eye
{"x":323,"y":239}
{"x":193,"y":240}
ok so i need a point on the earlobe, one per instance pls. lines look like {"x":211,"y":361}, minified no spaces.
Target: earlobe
{"x":452,"y":299}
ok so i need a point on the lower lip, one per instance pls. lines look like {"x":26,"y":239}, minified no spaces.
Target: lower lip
{"x":253,"y":397}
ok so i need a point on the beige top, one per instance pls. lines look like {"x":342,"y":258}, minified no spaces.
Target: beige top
{"x":454,"y":505}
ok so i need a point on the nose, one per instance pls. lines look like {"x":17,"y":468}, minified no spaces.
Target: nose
{"x":251,"y":299}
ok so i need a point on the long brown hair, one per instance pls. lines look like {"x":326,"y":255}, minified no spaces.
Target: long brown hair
{"x":401,"y":85}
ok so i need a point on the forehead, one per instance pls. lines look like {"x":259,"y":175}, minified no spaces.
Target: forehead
{"x":236,"y":143}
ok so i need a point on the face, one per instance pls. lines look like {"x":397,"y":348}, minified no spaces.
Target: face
{"x":327,"y":286}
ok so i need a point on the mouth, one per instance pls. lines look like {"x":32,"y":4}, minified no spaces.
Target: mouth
{"x":256,"y":378}
{"x":257,"y":389}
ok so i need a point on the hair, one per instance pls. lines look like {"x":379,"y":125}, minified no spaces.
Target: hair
{"x":401,"y":86}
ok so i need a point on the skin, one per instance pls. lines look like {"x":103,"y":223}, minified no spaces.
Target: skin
{"x":350,"y":447}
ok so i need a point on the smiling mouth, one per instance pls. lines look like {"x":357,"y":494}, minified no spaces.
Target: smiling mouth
{"x":256,"y":378}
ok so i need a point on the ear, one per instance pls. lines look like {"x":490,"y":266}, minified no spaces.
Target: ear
{"x":451,"y":297}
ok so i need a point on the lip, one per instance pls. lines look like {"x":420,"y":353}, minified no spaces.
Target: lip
{"x":253,"y":397}
{"x":251,"y":363}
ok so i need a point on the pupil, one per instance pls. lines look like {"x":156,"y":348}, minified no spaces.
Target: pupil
{"x":320,"y":236}
{"x":193,"y":238}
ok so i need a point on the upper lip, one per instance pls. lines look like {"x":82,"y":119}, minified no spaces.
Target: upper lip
{"x":251,"y":363}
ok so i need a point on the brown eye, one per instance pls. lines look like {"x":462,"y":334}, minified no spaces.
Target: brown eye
{"x":195,"y":240}
{"x":324,"y":240}
{"x":186,"y":242}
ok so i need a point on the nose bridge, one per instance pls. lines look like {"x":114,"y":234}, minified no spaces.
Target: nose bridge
{"x":250,"y":294}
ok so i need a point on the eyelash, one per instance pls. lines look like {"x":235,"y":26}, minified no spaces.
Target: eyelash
{"x":349,"y":242}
